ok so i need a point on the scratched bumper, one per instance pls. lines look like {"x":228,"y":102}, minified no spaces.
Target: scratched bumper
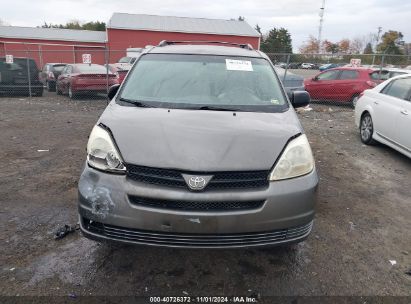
{"x":106,"y":213}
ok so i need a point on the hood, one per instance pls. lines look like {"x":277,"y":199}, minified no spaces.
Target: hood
{"x":201,"y":141}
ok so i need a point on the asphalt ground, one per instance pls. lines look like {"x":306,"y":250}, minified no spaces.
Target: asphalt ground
{"x":360,"y":244}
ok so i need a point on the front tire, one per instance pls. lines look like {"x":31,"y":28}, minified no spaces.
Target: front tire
{"x":39,"y":93}
{"x":50,"y":87}
{"x":58,"y":90}
{"x":367,"y":129}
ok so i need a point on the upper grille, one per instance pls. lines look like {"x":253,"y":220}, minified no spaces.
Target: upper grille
{"x":196,"y":205}
{"x":220,"y":180}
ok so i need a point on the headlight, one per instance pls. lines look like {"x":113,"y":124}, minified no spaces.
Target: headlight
{"x":102,"y":153}
{"x":296,"y":160}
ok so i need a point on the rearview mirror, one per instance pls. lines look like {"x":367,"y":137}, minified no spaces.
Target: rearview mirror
{"x":300,"y":99}
{"x":112,"y":91}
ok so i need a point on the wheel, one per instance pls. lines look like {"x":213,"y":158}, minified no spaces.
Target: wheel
{"x":354,"y":100}
{"x":58,"y":90}
{"x":71,"y":94}
{"x":366,"y":129}
{"x":50,"y":87}
{"x":39,"y":93}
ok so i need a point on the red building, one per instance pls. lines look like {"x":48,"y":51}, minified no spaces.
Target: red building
{"x":137,"y":30}
{"x":123,"y":31}
{"x":51,"y":45}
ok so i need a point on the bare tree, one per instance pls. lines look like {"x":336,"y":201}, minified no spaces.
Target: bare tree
{"x":311,"y":46}
{"x":357,"y":45}
{"x":2,"y":22}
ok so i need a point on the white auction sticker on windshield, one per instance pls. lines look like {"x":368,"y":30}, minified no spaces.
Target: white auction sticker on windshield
{"x":238,"y":65}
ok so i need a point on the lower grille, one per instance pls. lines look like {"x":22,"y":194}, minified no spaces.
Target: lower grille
{"x":169,"y":239}
{"x":220,"y":180}
{"x":196,"y":205}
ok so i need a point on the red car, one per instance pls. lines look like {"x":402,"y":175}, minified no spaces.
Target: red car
{"x":84,"y":78}
{"x":118,"y":71}
{"x":343,"y":84}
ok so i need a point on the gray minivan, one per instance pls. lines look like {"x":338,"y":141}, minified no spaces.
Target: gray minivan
{"x":200,"y":147}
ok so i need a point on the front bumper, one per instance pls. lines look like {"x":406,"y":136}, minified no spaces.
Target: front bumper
{"x":106,"y":213}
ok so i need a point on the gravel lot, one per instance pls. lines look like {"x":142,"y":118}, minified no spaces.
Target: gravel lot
{"x":363,"y":219}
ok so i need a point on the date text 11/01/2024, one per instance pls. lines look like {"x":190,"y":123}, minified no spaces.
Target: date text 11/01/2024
{"x":204,"y":299}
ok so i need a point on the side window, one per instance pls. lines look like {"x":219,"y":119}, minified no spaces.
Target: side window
{"x":348,"y":74}
{"x":69,"y":69}
{"x":399,"y":88}
{"x":384,"y":75}
{"x":329,"y":75}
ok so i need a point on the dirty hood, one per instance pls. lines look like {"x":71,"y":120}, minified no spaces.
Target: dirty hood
{"x":195,"y":140}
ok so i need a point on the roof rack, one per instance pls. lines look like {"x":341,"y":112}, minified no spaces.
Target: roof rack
{"x":243,"y":46}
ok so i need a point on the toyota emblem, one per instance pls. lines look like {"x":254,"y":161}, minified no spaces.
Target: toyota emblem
{"x":195,"y":182}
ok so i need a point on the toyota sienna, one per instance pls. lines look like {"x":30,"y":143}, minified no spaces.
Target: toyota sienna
{"x":200,"y":147}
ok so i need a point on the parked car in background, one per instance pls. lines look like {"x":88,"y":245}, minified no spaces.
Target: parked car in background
{"x":49,"y":74}
{"x":307,"y":66}
{"x":383,"y":114}
{"x":282,"y":65}
{"x":344,"y":84}
{"x":118,"y":71}
{"x":125,"y":62}
{"x":292,"y":81}
{"x":387,"y":73}
{"x":328,"y":66}
{"x":199,"y":148}
{"x":83,"y":78}
{"x":294,"y":65}
{"x":15,"y":79}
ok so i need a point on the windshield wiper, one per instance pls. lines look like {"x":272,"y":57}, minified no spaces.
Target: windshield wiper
{"x":137,"y":103}
{"x":213,"y":108}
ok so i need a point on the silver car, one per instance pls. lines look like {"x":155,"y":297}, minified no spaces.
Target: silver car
{"x":200,"y":147}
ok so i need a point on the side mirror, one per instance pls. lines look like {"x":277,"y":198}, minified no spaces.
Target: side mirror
{"x":315,"y":78}
{"x":112,"y":91}
{"x":300,"y":99}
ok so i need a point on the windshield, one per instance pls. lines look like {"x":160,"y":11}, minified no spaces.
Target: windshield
{"x":377,"y":75}
{"x":59,"y":68}
{"x":194,"y":81}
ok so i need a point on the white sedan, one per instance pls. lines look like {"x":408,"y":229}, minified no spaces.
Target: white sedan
{"x":383,"y":114}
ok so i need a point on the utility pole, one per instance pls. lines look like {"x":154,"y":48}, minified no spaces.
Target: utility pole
{"x":376,"y":43}
{"x":378,"y":36}
{"x":320,"y":28}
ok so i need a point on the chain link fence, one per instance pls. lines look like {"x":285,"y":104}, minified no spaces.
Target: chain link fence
{"x":75,"y":74}
{"x":87,"y":73}
{"x":330,"y":83}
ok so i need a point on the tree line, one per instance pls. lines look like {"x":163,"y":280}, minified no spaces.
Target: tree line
{"x":77,"y":25}
{"x":391,"y":43}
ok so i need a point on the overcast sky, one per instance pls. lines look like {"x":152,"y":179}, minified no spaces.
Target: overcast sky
{"x":343,"y":18}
